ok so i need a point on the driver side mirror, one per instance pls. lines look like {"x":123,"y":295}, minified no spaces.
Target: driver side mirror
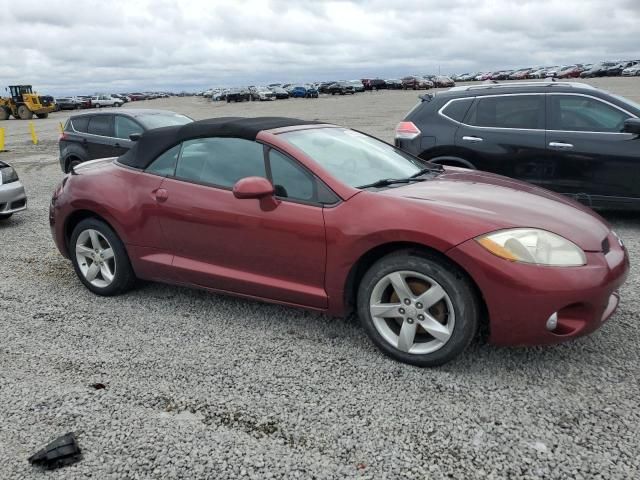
{"x":253,"y":187}
{"x":632,"y":125}
{"x":134,"y":137}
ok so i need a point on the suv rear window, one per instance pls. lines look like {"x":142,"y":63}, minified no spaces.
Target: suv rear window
{"x":101,"y":125}
{"x":508,"y":111}
{"x":80,"y":124}
{"x":457,"y":109}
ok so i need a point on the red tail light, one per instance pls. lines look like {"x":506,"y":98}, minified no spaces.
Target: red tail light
{"x":407,"y":130}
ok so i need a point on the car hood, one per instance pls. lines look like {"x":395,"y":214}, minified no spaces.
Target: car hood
{"x":488,"y":202}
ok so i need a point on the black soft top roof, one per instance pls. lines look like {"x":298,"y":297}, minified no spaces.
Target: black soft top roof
{"x":154,"y":142}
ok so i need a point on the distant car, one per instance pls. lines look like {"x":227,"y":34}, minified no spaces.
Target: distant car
{"x":569,"y":137}
{"x":358,"y":86}
{"x":88,"y":136}
{"x":393,"y":84}
{"x":374,"y":84}
{"x":13,"y":198}
{"x":262,"y":94}
{"x":298,"y":91}
{"x":330,"y":219}
{"x":106,"y":101}
{"x":616,"y":70}
{"x":415,"y":83}
{"x":341,"y":88}
{"x":632,"y":71}
{"x":570,"y":71}
{"x":67,"y":103}
{"x":312,"y":91}
{"x":84,"y":101}
{"x":136,"y":97}
{"x":442,"y":81}
{"x":520,"y":74}
{"x":280,"y":93}
{"x":598,"y":70}
{"x":238,"y":95}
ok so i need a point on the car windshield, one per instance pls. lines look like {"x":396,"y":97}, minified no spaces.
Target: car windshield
{"x":157,"y":120}
{"x":352,"y":157}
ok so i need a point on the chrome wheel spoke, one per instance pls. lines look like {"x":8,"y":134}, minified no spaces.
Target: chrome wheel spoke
{"x":84,"y":251}
{"x":93,"y":271}
{"x":435,"y":328}
{"x":107,"y":253}
{"x":432,"y":296}
{"x":406,"y":336}
{"x":385,"y":310}
{"x":400,"y":286}
{"x":106,"y":272}
{"x":95,"y":241}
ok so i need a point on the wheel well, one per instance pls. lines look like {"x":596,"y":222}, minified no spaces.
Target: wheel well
{"x":75,"y":218}
{"x":372,"y":256}
{"x":70,"y":159}
{"x":453,"y":161}
{"x":447,"y":155}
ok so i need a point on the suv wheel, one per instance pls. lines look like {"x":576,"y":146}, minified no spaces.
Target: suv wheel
{"x":418,"y":308}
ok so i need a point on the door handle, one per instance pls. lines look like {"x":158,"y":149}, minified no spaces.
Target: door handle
{"x":561,"y":145}
{"x":472,"y":139}
{"x":161,"y":194}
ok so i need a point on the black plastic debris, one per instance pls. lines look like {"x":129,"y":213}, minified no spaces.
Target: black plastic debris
{"x":62,"y":451}
{"x":98,"y":386}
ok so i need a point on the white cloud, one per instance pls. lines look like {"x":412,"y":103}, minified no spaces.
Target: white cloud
{"x":86,"y":46}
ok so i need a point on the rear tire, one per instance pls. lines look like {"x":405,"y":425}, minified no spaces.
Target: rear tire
{"x":24,"y":113}
{"x":4,"y":113}
{"x":5,"y":216}
{"x":72,"y":164}
{"x":413,"y":325}
{"x":42,"y":115}
{"x":100,"y":258}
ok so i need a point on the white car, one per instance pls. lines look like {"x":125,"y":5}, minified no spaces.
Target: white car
{"x":632,"y":71}
{"x":13,"y":199}
{"x":105,"y":101}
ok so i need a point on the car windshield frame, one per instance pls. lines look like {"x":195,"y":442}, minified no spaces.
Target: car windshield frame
{"x":377,"y":161}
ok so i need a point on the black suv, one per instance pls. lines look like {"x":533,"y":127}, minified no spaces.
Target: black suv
{"x":568,"y":137}
{"x":109,"y":134}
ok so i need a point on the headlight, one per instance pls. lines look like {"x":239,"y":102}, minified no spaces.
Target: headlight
{"x":538,"y":247}
{"x":8,"y":175}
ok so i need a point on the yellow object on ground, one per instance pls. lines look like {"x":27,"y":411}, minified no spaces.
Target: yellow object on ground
{"x":34,"y":137}
{"x":1,"y":139}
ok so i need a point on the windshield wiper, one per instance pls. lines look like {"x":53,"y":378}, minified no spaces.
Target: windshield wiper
{"x":435,"y":168}
{"x":391,"y":181}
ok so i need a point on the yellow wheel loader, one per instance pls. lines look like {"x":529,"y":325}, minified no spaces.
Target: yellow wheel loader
{"x":24,"y":103}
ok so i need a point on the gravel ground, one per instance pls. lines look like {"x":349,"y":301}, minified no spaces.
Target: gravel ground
{"x":207,"y":386}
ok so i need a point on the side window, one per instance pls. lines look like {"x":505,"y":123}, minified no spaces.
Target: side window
{"x":584,"y":114}
{"x":124,"y":127}
{"x":165,"y":164}
{"x":291,"y":180}
{"x":80,"y":124}
{"x":508,"y":111}
{"x":220,"y":161}
{"x":101,"y":125}
{"x":457,"y":109}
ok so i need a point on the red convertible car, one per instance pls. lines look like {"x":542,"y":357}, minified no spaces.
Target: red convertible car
{"x":327,"y":218}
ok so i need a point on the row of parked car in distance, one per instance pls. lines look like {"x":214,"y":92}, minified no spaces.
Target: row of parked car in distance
{"x":626,"y":68}
{"x":104,"y":100}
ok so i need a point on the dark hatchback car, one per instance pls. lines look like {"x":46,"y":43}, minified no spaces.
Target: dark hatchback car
{"x":109,"y":134}
{"x":568,"y":137}
{"x":341,"y":88}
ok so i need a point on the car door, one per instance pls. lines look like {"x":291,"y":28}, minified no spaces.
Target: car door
{"x":124,"y":127}
{"x":267,"y":248}
{"x":100,"y":141}
{"x":504,"y":134}
{"x":593,"y":160}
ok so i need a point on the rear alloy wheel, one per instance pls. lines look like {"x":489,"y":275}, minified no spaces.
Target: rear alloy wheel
{"x":24,"y":113}
{"x":100,"y":259}
{"x":418,"y":308}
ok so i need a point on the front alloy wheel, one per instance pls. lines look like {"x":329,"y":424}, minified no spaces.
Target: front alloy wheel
{"x":418,"y":307}
{"x":100,"y":258}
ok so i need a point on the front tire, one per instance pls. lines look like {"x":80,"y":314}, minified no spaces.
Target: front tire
{"x":24,"y":113}
{"x":418,"y":308}
{"x":100,"y":258}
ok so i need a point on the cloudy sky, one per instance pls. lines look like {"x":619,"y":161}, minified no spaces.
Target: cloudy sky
{"x":85,"y":46}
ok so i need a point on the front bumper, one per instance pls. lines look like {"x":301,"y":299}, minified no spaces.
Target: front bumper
{"x":12,"y":198}
{"x":521,"y":298}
